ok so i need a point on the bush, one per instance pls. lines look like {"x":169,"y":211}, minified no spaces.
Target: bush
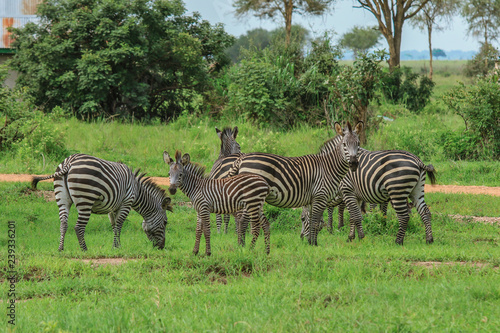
{"x":483,"y":62}
{"x":460,"y":146}
{"x":26,"y":130}
{"x":401,"y":86}
{"x":479,"y":107}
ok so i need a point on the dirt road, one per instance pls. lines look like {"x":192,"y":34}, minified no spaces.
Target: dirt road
{"x":495,"y":191}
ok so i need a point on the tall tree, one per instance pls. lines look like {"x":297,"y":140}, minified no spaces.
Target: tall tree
{"x":360,"y":39}
{"x":429,"y":17}
{"x":483,"y":18}
{"x":110,"y":57}
{"x":391,"y":15}
{"x":285,"y":8}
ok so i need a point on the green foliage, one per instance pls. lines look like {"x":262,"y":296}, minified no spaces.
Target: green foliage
{"x":401,"y":86}
{"x":479,"y":107}
{"x":281,"y":87}
{"x":360,"y":39}
{"x":26,"y":131}
{"x":258,"y":38}
{"x":117,"y":57}
{"x":483,"y":62}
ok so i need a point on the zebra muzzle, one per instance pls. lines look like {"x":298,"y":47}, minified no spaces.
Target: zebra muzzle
{"x":172,"y":189}
{"x":353,"y":163}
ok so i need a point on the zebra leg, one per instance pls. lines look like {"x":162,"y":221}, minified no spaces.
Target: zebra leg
{"x":198,"y":235}
{"x":315,"y":217}
{"x":401,"y":208}
{"x":383,"y":208}
{"x":355,"y":217}
{"x":341,"y":215}
{"x":243,"y":218}
{"x":206,"y":233}
{"x":425,"y":215}
{"x":304,"y":218}
{"x":64,"y":203}
{"x":81,"y":223}
{"x":264,"y":223}
{"x":218,"y":220}
{"x":120,"y":217}
{"x":227,"y":217}
{"x":329,"y":227}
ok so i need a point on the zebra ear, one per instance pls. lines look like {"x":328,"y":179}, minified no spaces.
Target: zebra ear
{"x":166,"y":158}
{"x":359,"y":127}
{"x":235,"y":132}
{"x":338,"y":128}
{"x":185,"y":159}
{"x":165,"y":205}
{"x":178,"y":155}
{"x":219,"y":133}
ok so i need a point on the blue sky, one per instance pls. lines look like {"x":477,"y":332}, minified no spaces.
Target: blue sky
{"x":340,"y":20}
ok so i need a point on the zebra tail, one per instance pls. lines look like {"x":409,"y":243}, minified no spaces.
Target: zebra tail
{"x":431,"y":172}
{"x":62,"y":172}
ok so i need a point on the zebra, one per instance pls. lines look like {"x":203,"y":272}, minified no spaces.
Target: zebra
{"x":228,"y":147}
{"x":241,"y":194}
{"x":395,"y":176}
{"x":310,"y":179}
{"x":103,"y":187}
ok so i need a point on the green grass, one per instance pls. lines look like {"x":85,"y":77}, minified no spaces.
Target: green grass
{"x":365,"y":286}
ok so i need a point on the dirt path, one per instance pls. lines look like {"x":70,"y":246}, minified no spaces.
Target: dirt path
{"x":163,"y":181}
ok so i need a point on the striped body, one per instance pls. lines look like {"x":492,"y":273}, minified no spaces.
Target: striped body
{"x":228,"y":147}
{"x":241,"y":194}
{"x":98,"y":186}
{"x":394,"y":176}
{"x":305,"y":180}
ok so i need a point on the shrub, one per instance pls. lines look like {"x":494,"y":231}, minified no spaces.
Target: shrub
{"x":479,"y":107}
{"x":401,"y":86}
{"x":26,"y":130}
{"x":483,"y":62}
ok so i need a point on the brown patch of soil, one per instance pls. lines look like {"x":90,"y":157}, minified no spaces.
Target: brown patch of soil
{"x":47,"y":195}
{"x":95,"y":262}
{"x":480,"y":219}
{"x":433,"y":264}
{"x":495,"y":191}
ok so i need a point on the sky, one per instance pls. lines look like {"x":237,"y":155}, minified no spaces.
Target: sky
{"x":342,"y":19}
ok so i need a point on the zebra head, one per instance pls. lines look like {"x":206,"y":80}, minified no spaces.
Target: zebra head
{"x":350,"y":143}
{"x":228,"y":143}
{"x":176,"y":169}
{"x":155,"y":224}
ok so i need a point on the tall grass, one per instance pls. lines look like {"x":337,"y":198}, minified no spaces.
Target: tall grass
{"x":364,"y":286}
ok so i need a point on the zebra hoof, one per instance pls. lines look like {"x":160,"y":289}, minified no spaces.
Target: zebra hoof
{"x":399,"y":242}
{"x":430,"y":240}
{"x":61,"y":249}
{"x":195,"y":253}
{"x":208,"y":254}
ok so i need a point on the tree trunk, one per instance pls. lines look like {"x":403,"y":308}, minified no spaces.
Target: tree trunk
{"x":429,"y":31}
{"x":363,"y":114}
{"x":486,"y":46}
{"x":288,"y":20}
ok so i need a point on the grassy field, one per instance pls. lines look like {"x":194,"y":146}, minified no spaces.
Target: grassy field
{"x":364,"y":286}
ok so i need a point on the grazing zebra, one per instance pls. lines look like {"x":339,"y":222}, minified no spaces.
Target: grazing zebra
{"x":394,"y":176}
{"x":305,"y":180}
{"x":102,"y":187}
{"x":228,"y":147}
{"x":244,"y":194}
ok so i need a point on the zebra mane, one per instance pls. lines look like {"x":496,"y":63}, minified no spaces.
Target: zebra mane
{"x":227,"y":131}
{"x":329,"y":144}
{"x":196,"y":169}
{"x":148,"y":184}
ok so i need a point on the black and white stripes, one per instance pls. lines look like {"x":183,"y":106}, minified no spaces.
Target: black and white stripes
{"x":244,"y":194}
{"x":103,"y":187}
{"x":305,"y":180}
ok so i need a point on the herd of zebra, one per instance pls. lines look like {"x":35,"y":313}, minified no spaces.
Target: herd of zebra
{"x":340,"y":174}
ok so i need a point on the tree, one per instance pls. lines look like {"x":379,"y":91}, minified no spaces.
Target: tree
{"x":437,"y":53}
{"x":117,"y":57}
{"x":428,"y":16}
{"x":285,"y":8}
{"x":258,"y":38}
{"x":483,"y":17}
{"x":391,"y":16}
{"x":360,"y":39}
